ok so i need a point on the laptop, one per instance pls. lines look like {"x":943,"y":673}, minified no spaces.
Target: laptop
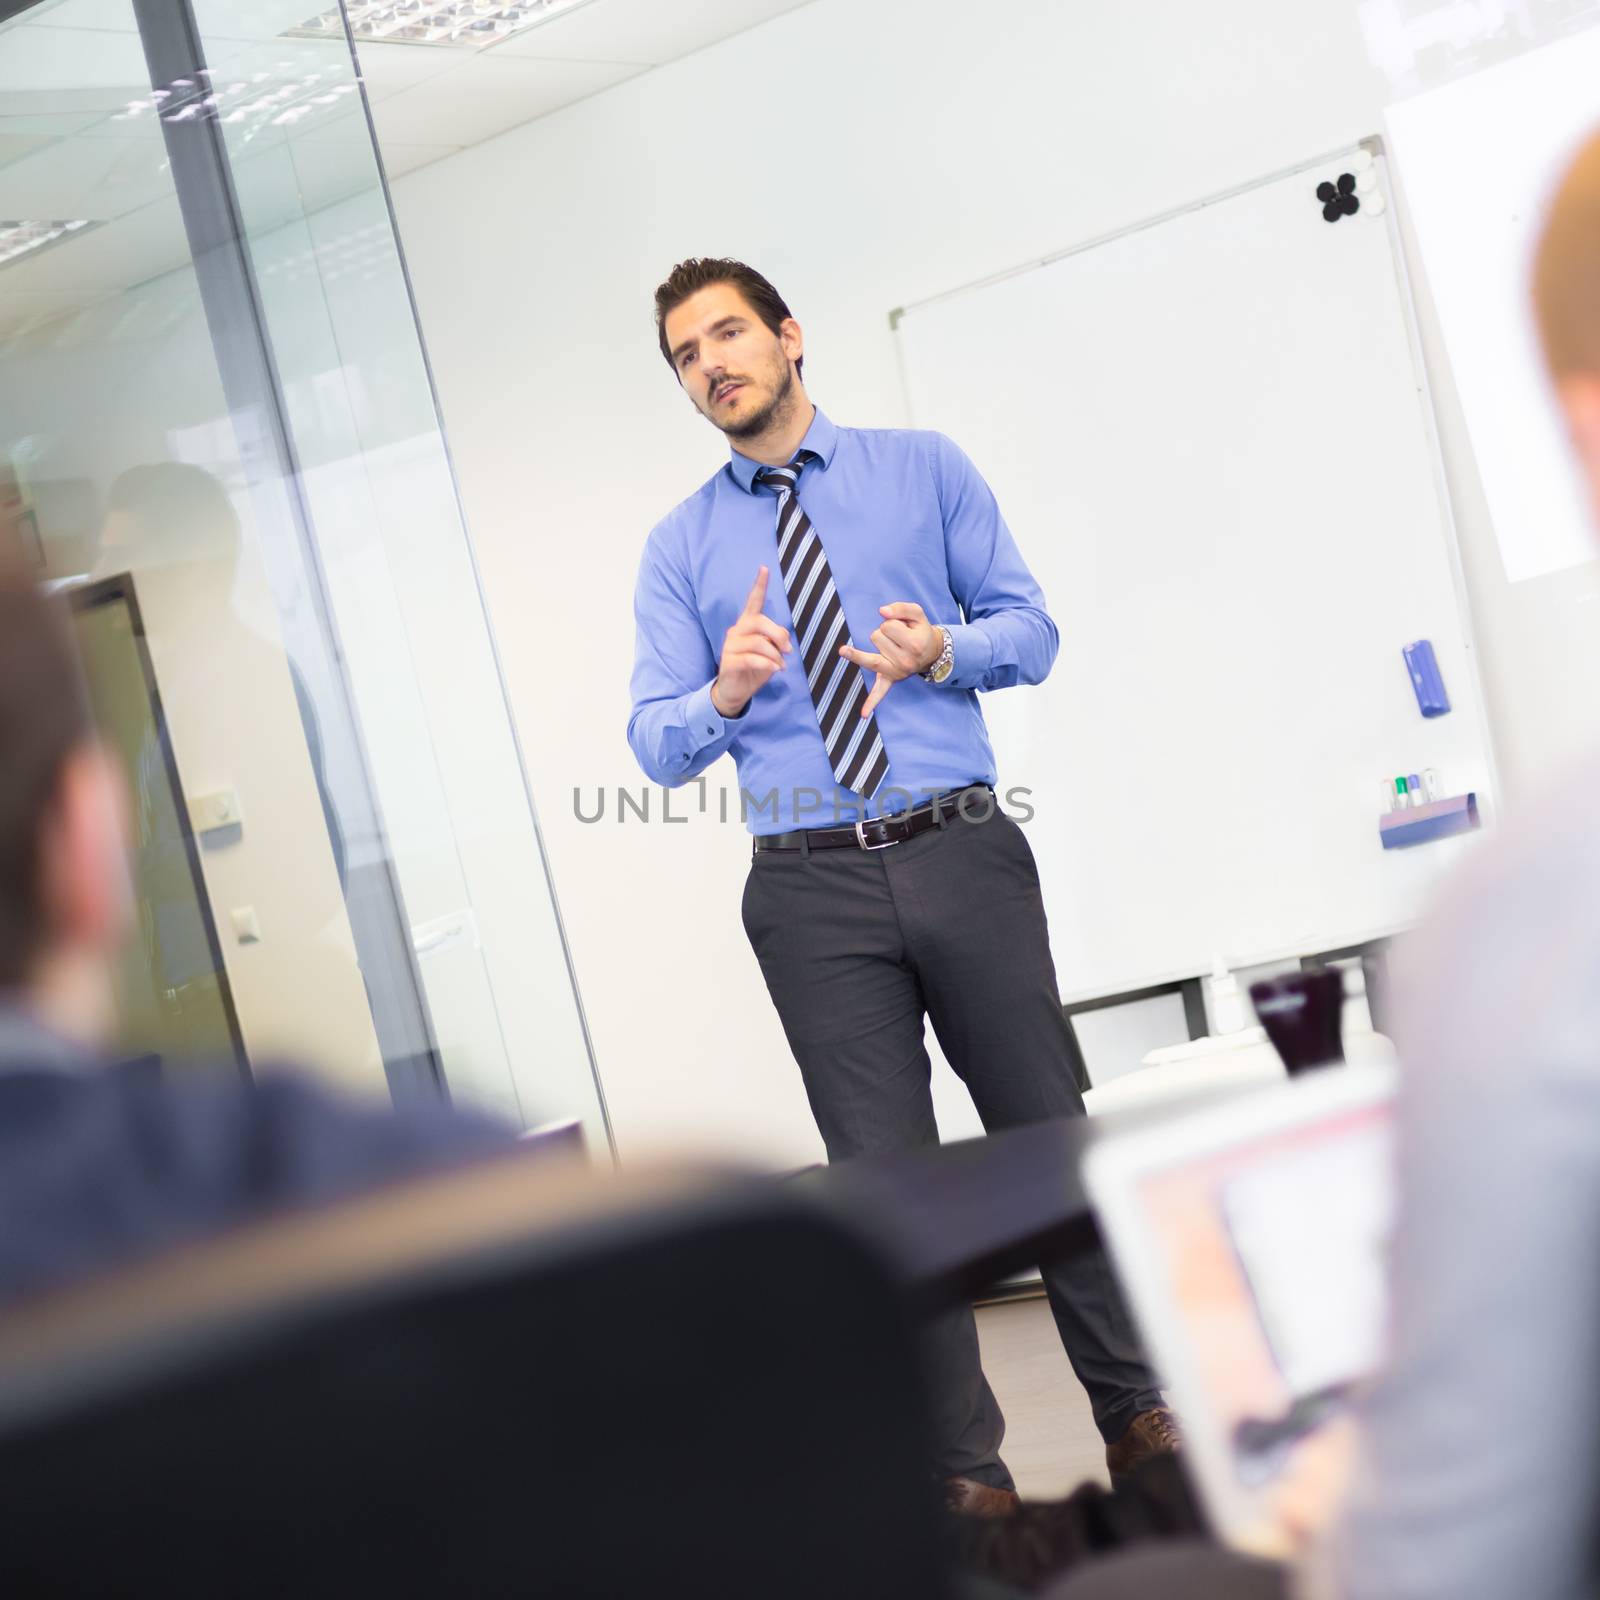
{"x":1250,"y":1237}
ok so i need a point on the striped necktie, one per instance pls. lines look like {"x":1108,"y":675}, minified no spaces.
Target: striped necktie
{"x":838,"y":687}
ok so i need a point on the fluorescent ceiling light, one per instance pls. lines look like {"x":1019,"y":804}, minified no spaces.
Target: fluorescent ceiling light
{"x":459,"y":24}
{"x":23,"y":238}
{"x":263,"y":100}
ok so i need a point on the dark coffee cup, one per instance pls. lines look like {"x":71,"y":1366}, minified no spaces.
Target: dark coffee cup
{"x":1302,"y":1013}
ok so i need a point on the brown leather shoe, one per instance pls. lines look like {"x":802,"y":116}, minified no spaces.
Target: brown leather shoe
{"x":1152,"y":1433}
{"x":969,"y":1498}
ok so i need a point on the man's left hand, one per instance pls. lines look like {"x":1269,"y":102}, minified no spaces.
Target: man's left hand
{"x":907,"y":644}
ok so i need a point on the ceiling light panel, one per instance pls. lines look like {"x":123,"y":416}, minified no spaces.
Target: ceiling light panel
{"x":19,"y":239}
{"x":456,"y":24}
{"x":275,"y":97}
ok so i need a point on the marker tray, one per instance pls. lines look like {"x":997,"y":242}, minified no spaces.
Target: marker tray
{"x":1420,"y":824}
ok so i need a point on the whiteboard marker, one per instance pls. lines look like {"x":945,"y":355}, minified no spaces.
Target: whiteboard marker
{"x":1401,"y":800}
{"x":1414,"y":785}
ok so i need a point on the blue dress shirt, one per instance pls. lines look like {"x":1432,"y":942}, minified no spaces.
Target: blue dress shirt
{"x":902,"y":516}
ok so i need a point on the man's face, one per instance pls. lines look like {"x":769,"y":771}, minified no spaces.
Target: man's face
{"x":731,"y":364}
{"x":86,"y":888}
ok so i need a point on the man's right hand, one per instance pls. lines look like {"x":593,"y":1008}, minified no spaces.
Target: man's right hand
{"x":752,"y":650}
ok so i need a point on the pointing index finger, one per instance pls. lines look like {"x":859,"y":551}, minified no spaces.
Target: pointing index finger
{"x":758,"y":594}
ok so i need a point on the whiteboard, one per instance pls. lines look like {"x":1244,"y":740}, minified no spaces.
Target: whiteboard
{"x":1212,"y":440}
{"x":1479,"y":161}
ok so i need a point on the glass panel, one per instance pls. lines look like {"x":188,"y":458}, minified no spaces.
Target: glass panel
{"x":173,"y":993}
{"x":252,"y":436}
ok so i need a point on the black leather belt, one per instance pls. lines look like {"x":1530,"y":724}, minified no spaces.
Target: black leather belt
{"x":878,"y":833}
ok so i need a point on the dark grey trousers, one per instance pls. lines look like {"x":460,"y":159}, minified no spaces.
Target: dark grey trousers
{"x":857,"y":947}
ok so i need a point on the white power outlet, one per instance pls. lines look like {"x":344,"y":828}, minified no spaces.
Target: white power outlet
{"x":219,"y":809}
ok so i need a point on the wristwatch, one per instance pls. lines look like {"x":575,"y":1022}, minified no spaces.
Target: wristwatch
{"x":945,"y":663}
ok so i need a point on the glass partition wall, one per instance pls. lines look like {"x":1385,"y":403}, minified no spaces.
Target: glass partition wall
{"x":216,"y":419}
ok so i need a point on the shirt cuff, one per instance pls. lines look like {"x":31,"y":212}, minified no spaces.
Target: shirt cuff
{"x":702,"y":719}
{"x":973,"y":652}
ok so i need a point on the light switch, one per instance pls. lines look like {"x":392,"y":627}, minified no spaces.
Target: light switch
{"x":219,"y":809}
{"x":246,"y":925}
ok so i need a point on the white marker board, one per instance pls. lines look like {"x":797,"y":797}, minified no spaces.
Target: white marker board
{"x":1212,"y":440}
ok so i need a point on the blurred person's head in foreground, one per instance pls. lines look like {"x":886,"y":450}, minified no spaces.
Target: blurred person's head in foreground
{"x":64,"y":888}
{"x":1566,"y":294}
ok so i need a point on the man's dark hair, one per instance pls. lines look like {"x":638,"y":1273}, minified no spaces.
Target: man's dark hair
{"x":44,"y":719}
{"x":700,"y":272}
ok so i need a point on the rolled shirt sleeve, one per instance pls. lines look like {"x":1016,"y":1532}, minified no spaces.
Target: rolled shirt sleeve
{"x":1006,"y":636}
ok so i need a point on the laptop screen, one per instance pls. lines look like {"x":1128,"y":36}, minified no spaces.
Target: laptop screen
{"x":1274,"y":1252}
{"x":1309,"y":1225}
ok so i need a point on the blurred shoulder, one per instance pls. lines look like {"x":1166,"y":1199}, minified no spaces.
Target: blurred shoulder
{"x":1509,"y":952}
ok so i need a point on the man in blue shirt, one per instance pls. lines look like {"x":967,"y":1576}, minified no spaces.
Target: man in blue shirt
{"x":885,"y":885}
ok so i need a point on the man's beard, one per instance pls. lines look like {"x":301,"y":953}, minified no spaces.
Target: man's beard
{"x":758,"y":423}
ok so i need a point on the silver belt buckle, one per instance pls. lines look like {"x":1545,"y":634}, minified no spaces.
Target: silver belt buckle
{"x":861,"y":837}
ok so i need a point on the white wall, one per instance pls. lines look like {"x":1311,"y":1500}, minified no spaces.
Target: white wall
{"x":864,"y":154}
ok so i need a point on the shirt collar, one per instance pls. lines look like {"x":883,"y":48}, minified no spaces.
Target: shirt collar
{"x":820,"y":439}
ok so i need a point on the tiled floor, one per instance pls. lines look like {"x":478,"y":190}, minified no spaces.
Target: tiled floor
{"x":1051,"y":1442}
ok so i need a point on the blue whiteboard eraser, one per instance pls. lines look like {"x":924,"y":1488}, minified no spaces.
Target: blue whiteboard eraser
{"x":1423,"y":666}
